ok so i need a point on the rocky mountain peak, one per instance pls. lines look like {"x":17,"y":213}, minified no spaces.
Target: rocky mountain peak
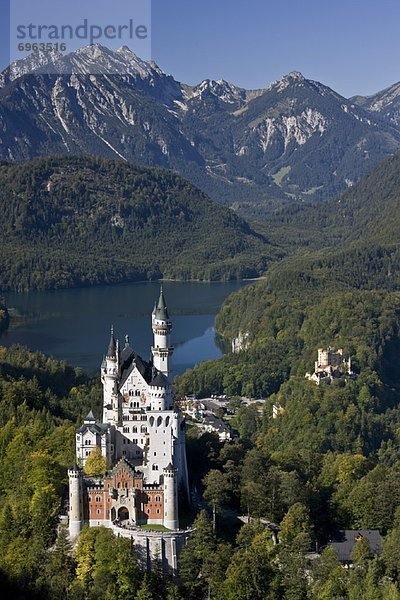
{"x":295,"y":76}
{"x":91,"y":59}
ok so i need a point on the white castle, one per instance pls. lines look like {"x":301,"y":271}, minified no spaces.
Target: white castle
{"x":142,"y":438}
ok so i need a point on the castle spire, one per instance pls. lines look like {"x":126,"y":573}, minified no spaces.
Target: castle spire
{"x":161,"y":310}
{"x":112,"y":345}
{"x":162,"y":349}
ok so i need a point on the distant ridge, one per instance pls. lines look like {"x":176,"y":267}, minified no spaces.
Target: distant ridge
{"x":296,"y":139}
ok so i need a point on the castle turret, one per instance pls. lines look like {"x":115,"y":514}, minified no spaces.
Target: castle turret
{"x":109,"y":376}
{"x":75,"y":501}
{"x":162,"y":326}
{"x":170,"y":498}
{"x":160,"y":391}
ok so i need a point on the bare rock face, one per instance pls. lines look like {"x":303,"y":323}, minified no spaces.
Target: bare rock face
{"x":296,"y":138}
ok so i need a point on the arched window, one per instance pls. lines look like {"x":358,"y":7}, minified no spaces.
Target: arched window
{"x":158,"y":499}
{"x":137,"y":393}
{"x":159,"y":421}
{"x":151,"y":421}
{"x":167,"y":422}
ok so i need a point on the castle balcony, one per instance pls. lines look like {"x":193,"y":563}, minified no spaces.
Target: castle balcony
{"x":113,"y":493}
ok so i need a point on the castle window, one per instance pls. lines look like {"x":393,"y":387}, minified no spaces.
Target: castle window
{"x":159,"y":421}
{"x":134,"y":429}
{"x":148,"y":511}
{"x":126,"y":484}
{"x":131,"y":394}
{"x":126,"y":429}
{"x":155,"y":467}
{"x":98,"y":511}
{"x":167,"y":422}
{"x":155,"y":453}
{"x":158,"y":511}
{"x":134,"y":441}
{"x":158,"y":498}
{"x":87,"y":452}
{"x":118,"y":484}
{"x":124,"y":452}
{"x":137,"y":393}
{"x":98,"y":499}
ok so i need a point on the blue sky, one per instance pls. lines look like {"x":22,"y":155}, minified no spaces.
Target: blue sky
{"x":351,"y":45}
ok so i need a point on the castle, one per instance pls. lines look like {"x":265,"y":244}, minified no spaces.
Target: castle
{"x":330,"y":364}
{"x":142,"y":439}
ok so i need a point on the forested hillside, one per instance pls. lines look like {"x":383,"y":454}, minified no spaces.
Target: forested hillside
{"x":4,"y":316}
{"x":343,"y":254}
{"x":367,"y":213}
{"x":330,"y":458}
{"x":69,"y":221}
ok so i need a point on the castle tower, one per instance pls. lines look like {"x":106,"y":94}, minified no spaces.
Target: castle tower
{"x":75,"y":501}
{"x":162,"y":349}
{"x":109,"y":377}
{"x":170,"y":498}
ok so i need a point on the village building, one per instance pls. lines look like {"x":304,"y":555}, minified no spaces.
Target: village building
{"x":345,"y":540}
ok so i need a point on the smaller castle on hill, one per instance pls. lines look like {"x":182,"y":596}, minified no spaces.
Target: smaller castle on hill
{"x":330,"y":365}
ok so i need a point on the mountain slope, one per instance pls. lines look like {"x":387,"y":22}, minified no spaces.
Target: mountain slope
{"x":385,"y":104}
{"x":315,"y":140}
{"x":345,"y":293}
{"x":297,"y":138}
{"x":69,"y":221}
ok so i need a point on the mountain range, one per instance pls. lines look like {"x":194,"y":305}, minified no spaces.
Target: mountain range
{"x":295,"y":139}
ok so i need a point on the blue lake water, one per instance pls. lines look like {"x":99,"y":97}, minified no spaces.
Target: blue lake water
{"x":75,"y":324}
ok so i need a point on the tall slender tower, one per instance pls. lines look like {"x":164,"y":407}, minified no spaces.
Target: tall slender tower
{"x":162,"y":349}
{"x":75,"y":501}
{"x":109,"y":378}
{"x":170,"y":498}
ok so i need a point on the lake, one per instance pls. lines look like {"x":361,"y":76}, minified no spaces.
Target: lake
{"x":75,"y":324}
